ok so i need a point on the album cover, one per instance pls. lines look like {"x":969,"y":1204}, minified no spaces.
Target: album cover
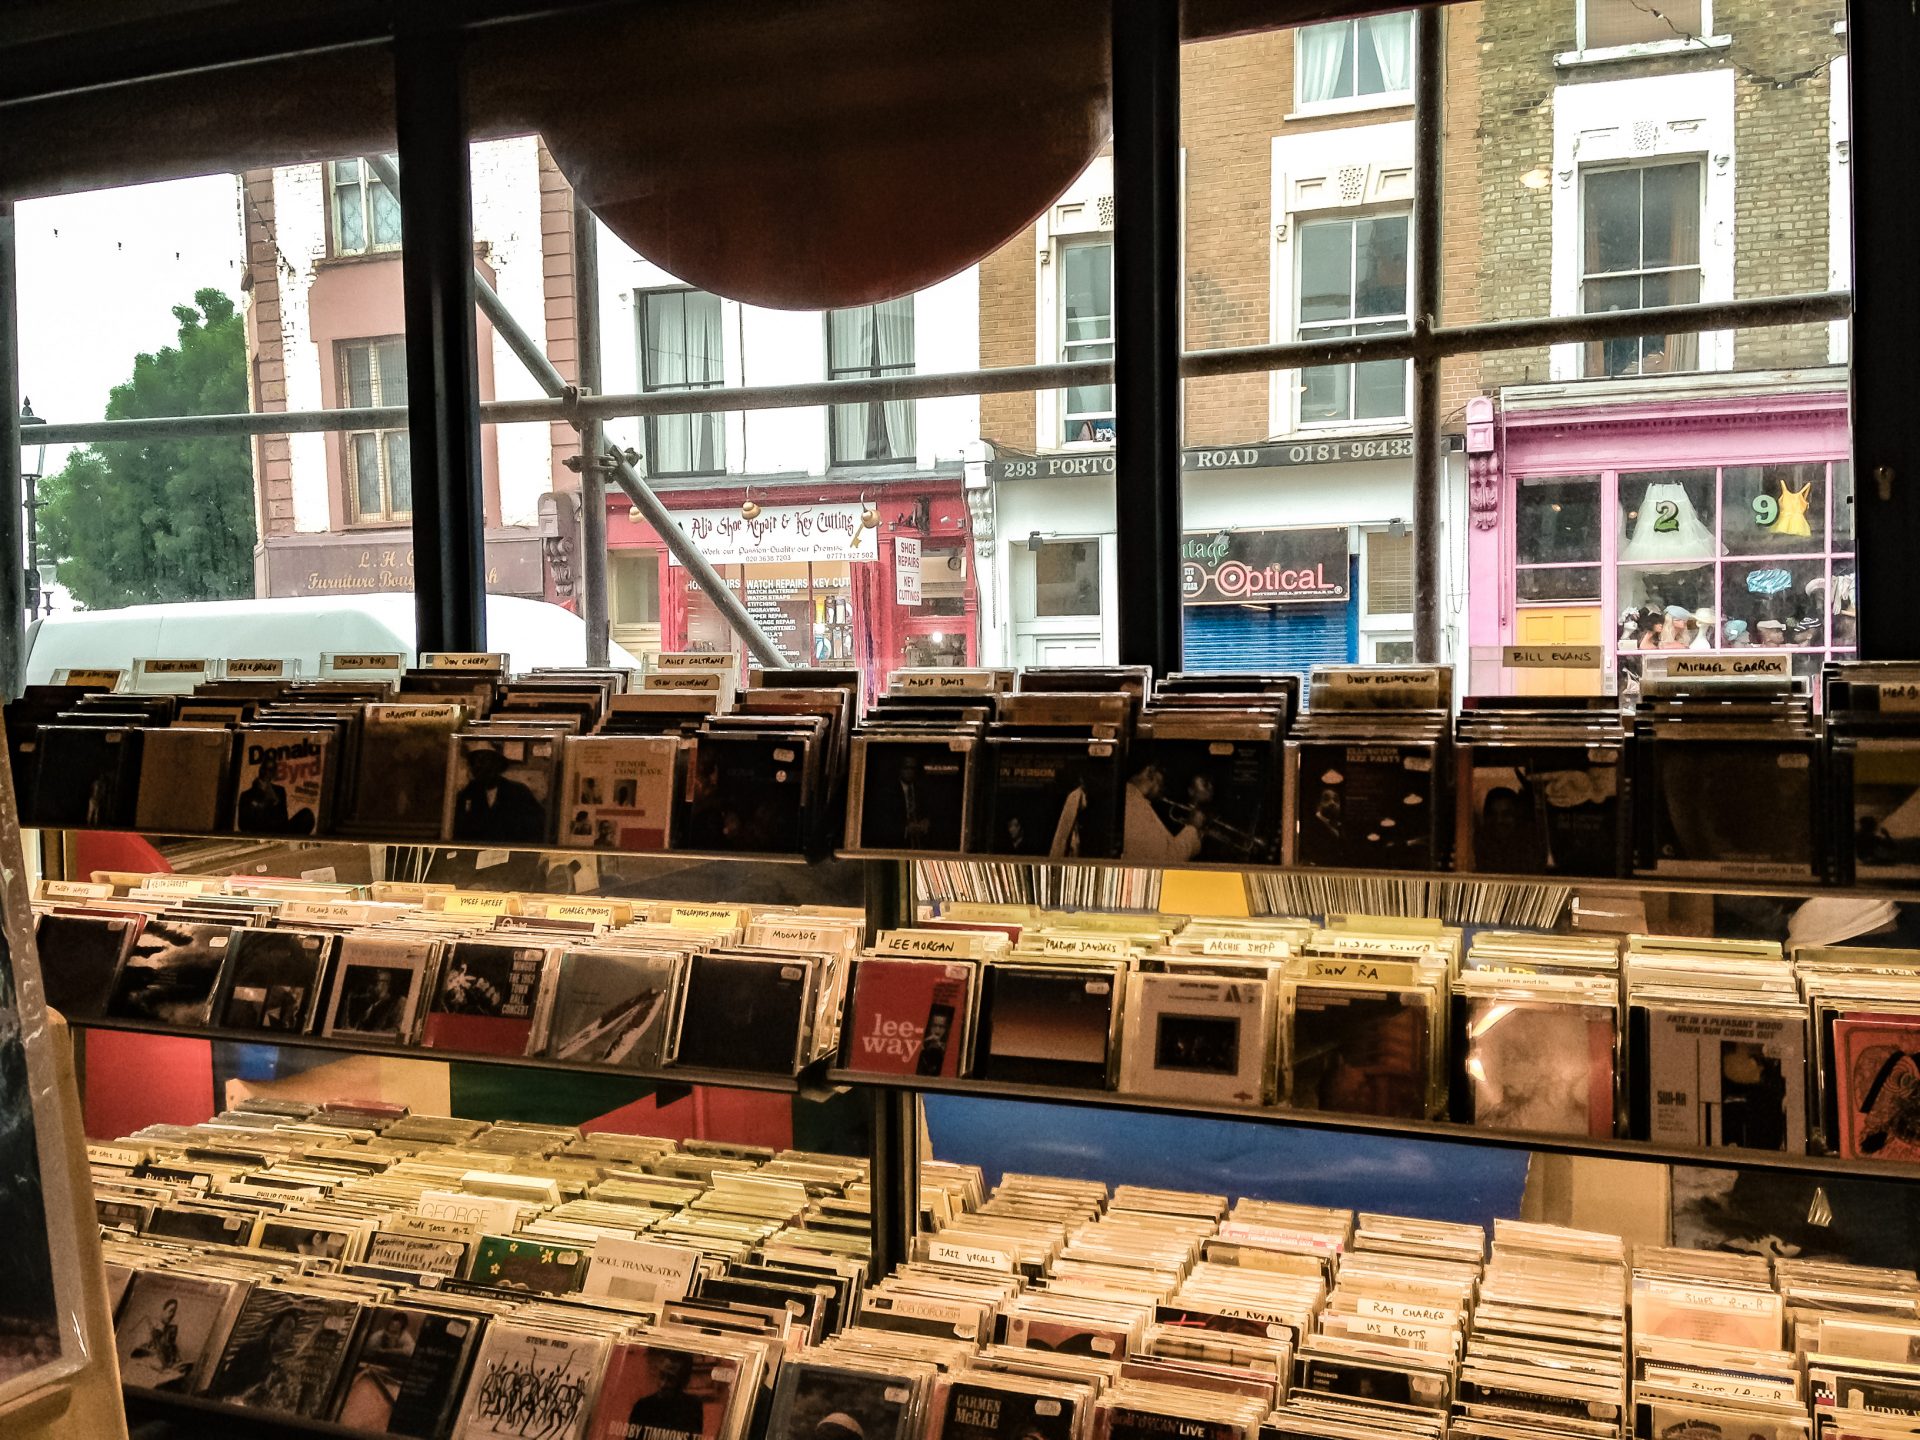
{"x":614,"y":1007}
{"x":1884,"y":814}
{"x":79,"y":957}
{"x":186,"y":779}
{"x":1740,"y":809}
{"x":401,"y":786}
{"x":501,"y":789}
{"x":85,"y":777}
{"x":1057,"y":797}
{"x":171,"y":973}
{"x":1047,"y":1025}
{"x":284,"y":1352}
{"x":657,"y":1390}
{"x":1191,"y":797}
{"x":283,"y":781}
{"x":1876,"y":1063}
{"x":1810,"y":1216}
{"x":1720,"y":1077}
{"x":1367,"y":806}
{"x":1390,"y":1382}
{"x":908,"y":1017}
{"x":406,"y":1372}
{"x":981,"y":1407}
{"x":814,"y":1400}
{"x":421,"y":1254}
{"x":273,"y":979}
{"x":1545,"y":1067}
{"x":486,"y":998}
{"x":747,"y":792}
{"x":382,"y":984}
{"x":745,"y":1014}
{"x":1544,"y":809}
{"x":295,"y":1237}
{"x":1201,"y":1038}
{"x":521,"y":1371}
{"x":167,"y":1324}
{"x":912,"y":792}
{"x":1359,"y":1051}
{"x":618,"y":791}
{"x":520,"y":1262}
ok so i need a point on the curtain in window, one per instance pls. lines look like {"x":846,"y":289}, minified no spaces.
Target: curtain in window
{"x":1392,"y":39}
{"x":893,"y":350}
{"x":1324,"y":67}
{"x":704,"y":368}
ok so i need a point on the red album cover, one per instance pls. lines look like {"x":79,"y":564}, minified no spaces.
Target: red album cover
{"x":661,"y":1392}
{"x":909,"y":1017}
{"x":1876,"y":1061}
{"x":485,"y":1001}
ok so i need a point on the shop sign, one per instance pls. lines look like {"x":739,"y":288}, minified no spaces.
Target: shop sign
{"x":1264,"y":567}
{"x":906,"y":570}
{"x":1270,"y":455}
{"x":831,"y":530}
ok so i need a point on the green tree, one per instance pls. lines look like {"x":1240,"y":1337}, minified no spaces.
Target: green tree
{"x":134,"y":522}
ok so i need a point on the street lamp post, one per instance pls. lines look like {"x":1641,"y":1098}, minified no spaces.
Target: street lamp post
{"x":33,"y":458}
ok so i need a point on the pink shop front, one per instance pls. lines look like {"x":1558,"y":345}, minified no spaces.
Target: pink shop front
{"x":1701,"y":513}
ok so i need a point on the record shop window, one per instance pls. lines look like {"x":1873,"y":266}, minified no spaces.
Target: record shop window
{"x":366,"y":215}
{"x":1350,"y":64}
{"x":379,"y":463}
{"x":1353,"y":281}
{"x":1640,"y":247}
{"x":871,"y":342}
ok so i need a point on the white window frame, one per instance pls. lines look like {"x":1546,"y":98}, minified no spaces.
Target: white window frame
{"x":1083,"y":213}
{"x":1585,"y":54}
{"x":1312,"y":329}
{"x":388,"y":514}
{"x":648,"y":426}
{"x":365,"y":185}
{"x":1647,"y":120}
{"x":1314,"y":177}
{"x":1376,"y":629}
{"x":1071,"y":350}
{"x":877,"y":371}
{"x":1699,"y":265}
{"x":1352,"y":104}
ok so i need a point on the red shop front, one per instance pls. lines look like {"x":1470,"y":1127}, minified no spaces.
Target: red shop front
{"x":822,"y":567}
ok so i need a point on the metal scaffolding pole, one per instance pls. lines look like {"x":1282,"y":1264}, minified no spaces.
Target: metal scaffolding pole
{"x":593,"y":476}
{"x":651,"y":509}
{"x":1428,"y":456}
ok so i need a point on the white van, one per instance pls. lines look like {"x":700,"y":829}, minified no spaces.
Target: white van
{"x":529,"y":632}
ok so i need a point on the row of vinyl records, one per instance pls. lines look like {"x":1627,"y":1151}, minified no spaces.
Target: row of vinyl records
{"x":1678,"y":1041}
{"x":303,"y":1262}
{"x":1717,"y":776}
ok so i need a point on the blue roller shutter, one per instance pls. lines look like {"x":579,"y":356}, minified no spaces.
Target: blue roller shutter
{"x":1243,"y":638}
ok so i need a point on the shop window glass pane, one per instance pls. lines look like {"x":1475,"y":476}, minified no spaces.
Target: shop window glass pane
{"x":1557,"y":520}
{"x":1776,"y":603}
{"x":1326,"y":270}
{"x":1775,"y":508}
{"x":1843,"y":504}
{"x":366,"y":474}
{"x":399,"y":472}
{"x":1066,"y":578}
{"x":1843,"y":613}
{"x":391,"y":361}
{"x":1558,"y":582}
{"x":1666,"y":515}
{"x":1668,"y":607}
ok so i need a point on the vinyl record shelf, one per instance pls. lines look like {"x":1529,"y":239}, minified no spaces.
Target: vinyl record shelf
{"x":807,"y":1081}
